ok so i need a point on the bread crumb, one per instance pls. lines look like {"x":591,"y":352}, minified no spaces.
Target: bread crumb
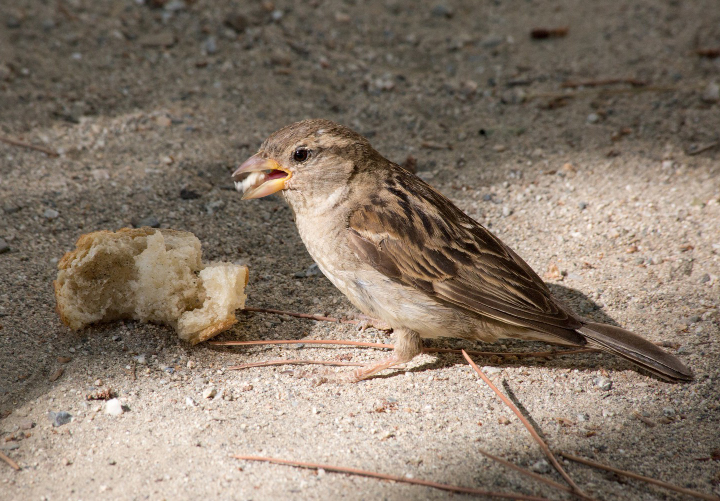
{"x":148,"y":275}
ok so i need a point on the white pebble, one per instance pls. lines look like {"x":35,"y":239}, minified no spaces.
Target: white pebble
{"x":113,"y":407}
{"x":711,"y":94}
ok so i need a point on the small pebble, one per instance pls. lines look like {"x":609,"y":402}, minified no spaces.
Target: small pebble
{"x":188,"y":194}
{"x":163,"y":121}
{"x":312,"y":271}
{"x":582,"y":205}
{"x":236,"y":21}
{"x":214,"y":206}
{"x":51,"y":214}
{"x":583,"y":417}
{"x":210,"y":45}
{"x":26,"y":424}
{"x":11,"y":207}
{"x":668,"y":411}
{"x":113,"y":407}
{"x":506,"y":211}
{"x":711,"y":94}
{"x":190,"y":402}
{"x":59,"y":418}
{"x":602,"y":383}
{"x":489,"y":370}
{"x":209,"y":392}
{"x":593,"y":118}
{"x":12,"y":22}
{"x":9,"y":446}
{"x":150,"y":221}
{"x":4,"y":247}
{"x":540,"y":466}
{"x":703,"y":279}
{"x":442,"y":11}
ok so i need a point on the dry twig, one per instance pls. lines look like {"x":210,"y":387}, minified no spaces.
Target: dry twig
{"x":599,"y":83}
{"x":302,"y":341}
{"x":542,"y":33}
{"x":23,"y":144}
{"x":529,"y":427}
{"x":395,"y":478}
{"x":649,"y":480}
{"x":700,"y":149}
{"x":710,"y":53}
{"x":9,"y":461}
{"x":292,"y":362}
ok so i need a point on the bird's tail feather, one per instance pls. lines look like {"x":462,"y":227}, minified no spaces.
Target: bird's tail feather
{"x":636,"y":349}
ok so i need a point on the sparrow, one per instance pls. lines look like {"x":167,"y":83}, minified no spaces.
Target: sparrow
{"x":405,"y":254}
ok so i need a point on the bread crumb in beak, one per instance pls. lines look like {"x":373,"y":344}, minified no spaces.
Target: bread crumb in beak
{"x":253,"y":180}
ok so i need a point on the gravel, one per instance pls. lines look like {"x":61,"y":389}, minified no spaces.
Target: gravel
{"x":480,"y":108}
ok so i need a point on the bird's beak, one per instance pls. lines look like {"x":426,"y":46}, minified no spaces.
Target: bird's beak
{"x":263,"y":184}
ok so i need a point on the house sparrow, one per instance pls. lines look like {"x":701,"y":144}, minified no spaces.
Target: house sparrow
{"x":402,"y":252}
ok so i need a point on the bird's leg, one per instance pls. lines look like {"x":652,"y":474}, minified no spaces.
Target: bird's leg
{"x":407,"y":345}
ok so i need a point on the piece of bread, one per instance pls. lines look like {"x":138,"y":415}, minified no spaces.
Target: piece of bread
{"x":152,"y":276}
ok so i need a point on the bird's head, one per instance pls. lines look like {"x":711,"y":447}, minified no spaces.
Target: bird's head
{"x":312,"y":157}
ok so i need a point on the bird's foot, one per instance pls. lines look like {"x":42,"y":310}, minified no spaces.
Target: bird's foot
{"x":370,"y":370}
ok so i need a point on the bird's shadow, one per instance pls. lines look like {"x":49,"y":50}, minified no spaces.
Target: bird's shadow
{"x":576,"y":301}
{"x":572,"y":298}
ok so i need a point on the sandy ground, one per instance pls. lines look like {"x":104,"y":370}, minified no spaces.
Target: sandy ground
{"x":151,"y":108}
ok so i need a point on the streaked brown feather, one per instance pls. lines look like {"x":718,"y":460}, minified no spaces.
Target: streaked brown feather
{"x":455,"y":259}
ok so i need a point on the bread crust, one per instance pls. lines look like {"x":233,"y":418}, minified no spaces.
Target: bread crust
{"x":149,"y":275}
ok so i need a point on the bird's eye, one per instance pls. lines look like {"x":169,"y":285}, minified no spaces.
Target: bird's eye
{"x":301,"y":154}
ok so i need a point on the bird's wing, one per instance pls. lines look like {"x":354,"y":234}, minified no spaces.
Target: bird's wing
{"x":417,"y":237}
